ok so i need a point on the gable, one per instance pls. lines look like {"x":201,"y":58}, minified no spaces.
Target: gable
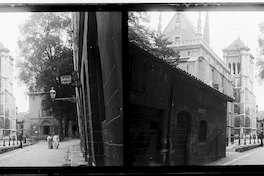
{"x":236,"y":45}
{"x":181,"y":26}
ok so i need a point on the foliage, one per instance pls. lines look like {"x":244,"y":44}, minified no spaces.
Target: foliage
{"x":46,"y":48}
{"x":147,"y":38}
{"x":260,"y":60}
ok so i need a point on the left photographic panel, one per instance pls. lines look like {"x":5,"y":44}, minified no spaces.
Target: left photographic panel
{"x":61,"y":88}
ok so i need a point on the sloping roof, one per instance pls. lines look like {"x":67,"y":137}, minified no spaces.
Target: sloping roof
{"x":3,"y":49}
{"x":236,"y":45}
{"x":182,"y":72}
{"x":184,"y":20}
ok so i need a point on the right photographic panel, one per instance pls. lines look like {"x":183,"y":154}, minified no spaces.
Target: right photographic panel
{"x":196,"y":87}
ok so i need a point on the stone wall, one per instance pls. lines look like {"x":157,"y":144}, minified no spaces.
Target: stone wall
{"x":110,"y":48}
{"x":159,"y":95}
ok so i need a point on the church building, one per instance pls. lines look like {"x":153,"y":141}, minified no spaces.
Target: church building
{"x":198,"y":59}
{"x":241,"y":64}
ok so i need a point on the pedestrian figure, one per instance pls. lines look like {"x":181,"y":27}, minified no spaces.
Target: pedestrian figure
{"x":261,"y":135}
{"x":20,"y":138}
{"x":56,"y":140}
{"x":49,"y":139}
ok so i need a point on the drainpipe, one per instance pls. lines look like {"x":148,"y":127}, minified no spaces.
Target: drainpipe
{"x":168,"y":142}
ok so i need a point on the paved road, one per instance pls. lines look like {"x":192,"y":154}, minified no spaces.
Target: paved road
{"x":38,"y":155}
{"x":251,"y":157}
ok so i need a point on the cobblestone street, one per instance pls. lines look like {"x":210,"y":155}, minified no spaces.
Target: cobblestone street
{"x":251,"y":157}
{"x":39,"y":155}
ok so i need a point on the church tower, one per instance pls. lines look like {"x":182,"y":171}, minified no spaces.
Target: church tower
{"x":241,"y":65}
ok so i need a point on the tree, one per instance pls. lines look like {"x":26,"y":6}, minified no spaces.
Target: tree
{"x":260,"y":61}
{"x":45,"y":47}
{"x":148,"y":39}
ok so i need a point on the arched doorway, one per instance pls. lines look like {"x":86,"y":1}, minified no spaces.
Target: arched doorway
{"x":182,"y":132}
{"x":46,"y":127}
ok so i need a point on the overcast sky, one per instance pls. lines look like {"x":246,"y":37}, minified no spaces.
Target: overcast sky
{"x":9,"y":34}
{"x":225,"y":27}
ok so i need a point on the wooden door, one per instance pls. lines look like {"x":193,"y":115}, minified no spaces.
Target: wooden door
{"x":181,"y":139}
{"x":144,"y":135}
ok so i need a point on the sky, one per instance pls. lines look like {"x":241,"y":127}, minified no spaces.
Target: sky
{"x":225,"y":27}
{"x":9,"y":34}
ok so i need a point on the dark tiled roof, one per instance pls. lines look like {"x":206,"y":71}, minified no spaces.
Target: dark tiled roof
{"x":188,"y":75}
{"x":236,"y":45}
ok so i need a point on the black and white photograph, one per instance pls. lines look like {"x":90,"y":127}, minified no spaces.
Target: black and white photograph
{"x":196,"y":88}
{"x":131,"y":88}
{"x":61,"y":88}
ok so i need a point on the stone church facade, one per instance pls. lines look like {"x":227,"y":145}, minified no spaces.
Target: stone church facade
{"x":198,"y":59}
{"x":241,"y":64}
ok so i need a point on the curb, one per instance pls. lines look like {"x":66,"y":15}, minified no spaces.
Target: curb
{"x":8,"y":149}
{"x":247,"y":147}
{"x":74,"y":158}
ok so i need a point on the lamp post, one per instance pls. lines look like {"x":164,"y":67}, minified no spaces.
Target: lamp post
{"x":53,"y":95}
{"x":70,"y":99}
{"x":3,"y":137}
{"x":245,"y":137}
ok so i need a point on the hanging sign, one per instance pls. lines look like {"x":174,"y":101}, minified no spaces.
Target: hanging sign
{"x":65,"y":79}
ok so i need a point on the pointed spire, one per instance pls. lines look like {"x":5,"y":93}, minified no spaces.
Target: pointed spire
{"x":199,"y":25}
{"x":206,"y":34}
{"x":159,"y":26}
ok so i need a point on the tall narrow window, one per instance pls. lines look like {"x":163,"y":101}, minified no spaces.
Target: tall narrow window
{"x":234,"y":68}
{"x":202,"y":131}
{"x":238,"y":68}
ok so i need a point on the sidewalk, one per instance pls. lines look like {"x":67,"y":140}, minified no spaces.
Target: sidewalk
{"x":231,"y":155}
{"x":38,"y":155}
{"x":75,"y":156}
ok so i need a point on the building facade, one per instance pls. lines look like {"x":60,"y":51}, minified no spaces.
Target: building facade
{"x":198,"y":59}
{"x":174,"y":118}
{"x":38,"y":123}
{"x":7,"y":99}
{"x":241,"y":64}
{"x":260,"y":121}
{"x":98,"y":62}
{"x":23,"y":124}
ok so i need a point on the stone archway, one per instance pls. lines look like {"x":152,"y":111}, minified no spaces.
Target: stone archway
{"x":46,"y":127}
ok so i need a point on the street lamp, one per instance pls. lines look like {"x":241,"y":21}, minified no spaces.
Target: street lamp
{"x":53,"y":95}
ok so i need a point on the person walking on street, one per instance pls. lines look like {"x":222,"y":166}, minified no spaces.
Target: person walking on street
{"x":49,"y":139}
{"x":20,"y":138}
{"x":261,"y":135}
{"x":56,"y":140}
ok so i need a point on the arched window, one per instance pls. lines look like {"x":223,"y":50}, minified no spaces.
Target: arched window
{"x":202,"y":130}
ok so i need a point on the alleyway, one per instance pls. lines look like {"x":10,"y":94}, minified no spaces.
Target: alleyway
{"x":251,"y":157}
{"x":39,"y":155}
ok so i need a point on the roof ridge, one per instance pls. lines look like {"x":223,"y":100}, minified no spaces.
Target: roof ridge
{"x":236,"y":44}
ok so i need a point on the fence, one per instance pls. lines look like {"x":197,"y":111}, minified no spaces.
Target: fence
{"x":245,"y":140}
